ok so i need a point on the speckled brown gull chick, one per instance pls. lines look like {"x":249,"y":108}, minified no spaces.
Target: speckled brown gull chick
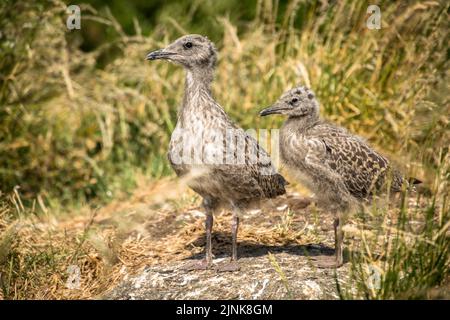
{"x":339,"y":167}
{"x":249,"y":176}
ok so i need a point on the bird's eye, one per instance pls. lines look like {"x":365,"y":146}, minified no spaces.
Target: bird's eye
{"x":294,"y":100}
{"x":188,"y":45}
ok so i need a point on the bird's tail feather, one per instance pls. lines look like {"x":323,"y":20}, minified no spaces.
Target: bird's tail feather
{"x":412,"y":181}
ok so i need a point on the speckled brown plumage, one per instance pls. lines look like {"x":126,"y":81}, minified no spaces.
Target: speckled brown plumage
{"x":201,"y":118}
{"x":339,"y":167}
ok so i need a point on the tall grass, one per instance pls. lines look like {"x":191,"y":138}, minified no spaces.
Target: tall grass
{"x":406,"y":254}
{"x":74,"y":128}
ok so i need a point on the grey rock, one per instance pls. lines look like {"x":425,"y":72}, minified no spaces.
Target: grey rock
{"x":257,"y":279}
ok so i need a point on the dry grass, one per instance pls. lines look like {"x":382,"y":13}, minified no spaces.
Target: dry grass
{"x":162,"y":222}
{"x":122,"y":238}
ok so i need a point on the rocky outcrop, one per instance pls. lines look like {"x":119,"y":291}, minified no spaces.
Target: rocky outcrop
{"x":285,"y":273}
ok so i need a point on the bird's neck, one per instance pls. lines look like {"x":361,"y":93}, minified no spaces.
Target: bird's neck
{"x":198,"y":81}
{"x":197,"y":93}
{"x":301,"y":124}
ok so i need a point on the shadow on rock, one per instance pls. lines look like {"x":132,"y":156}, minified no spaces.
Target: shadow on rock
{"x":221,"y":245}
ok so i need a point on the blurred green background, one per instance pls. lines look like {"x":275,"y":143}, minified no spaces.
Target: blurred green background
{"x":198,"y":16}
{"x":82,"y":115}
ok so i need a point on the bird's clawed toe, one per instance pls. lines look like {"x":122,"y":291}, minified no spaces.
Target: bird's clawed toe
{"x":228,"y":267}
{"x":197,"y":265}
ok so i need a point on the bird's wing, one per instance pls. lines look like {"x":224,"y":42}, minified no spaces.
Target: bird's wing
{"x":252,"y":173}
{"x":361,"y":168}
{"x":270,"y":182}
{"x":312,"y":151}
{"x":258,"y":168}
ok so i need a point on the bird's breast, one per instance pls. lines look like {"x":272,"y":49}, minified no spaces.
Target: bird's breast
{"x":198,"y":144}
{"x":293,"y":148}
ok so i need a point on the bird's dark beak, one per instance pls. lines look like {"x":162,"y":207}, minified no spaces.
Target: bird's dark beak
{"x":275,"y":109}
{"x":159,"y":54}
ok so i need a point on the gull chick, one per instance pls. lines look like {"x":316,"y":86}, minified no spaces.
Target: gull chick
{"x":339,"y":167}
{"x":204,"y":128}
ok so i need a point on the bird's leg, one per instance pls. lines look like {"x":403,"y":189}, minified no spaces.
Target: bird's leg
{"x":208,"y":248}
{"x":338,"y":239}
{"x":233,"y":264}
{"x":207,"y":262}
{"x":234,"y":232}
{"x":338,"y":260}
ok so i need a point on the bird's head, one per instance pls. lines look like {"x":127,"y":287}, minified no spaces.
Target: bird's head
{"x":297,"y":102}
{"x":191,"y":51}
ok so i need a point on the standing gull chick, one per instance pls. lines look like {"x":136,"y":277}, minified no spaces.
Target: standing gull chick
{"x":340,"y":168}
{"x":232,"y":169}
